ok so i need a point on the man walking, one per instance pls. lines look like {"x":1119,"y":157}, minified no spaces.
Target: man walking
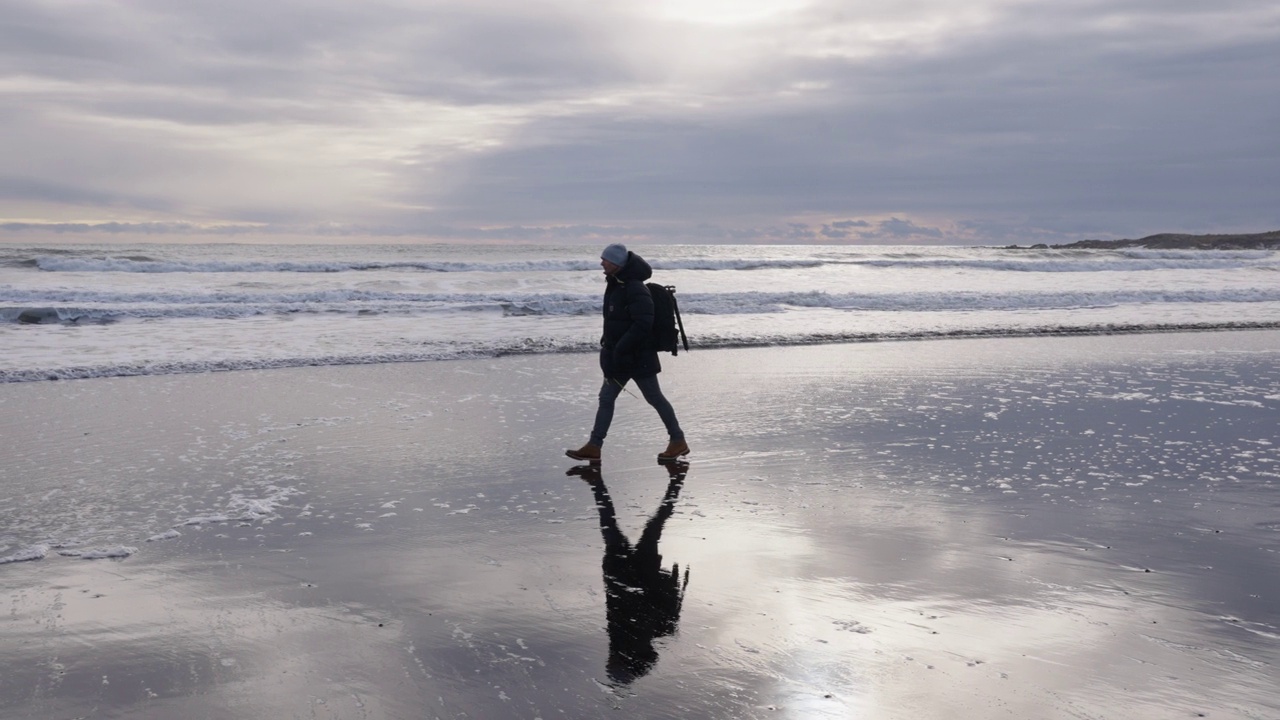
{"x":627,"y":352}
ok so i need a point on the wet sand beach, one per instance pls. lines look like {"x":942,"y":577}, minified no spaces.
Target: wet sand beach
{"x":1059,"y":527}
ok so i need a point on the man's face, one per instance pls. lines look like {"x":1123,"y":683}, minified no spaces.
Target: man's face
{"x":609,"y":268}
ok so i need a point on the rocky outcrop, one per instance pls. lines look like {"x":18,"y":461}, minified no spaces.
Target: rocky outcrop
{"x":1173,"y":241}
{"x":34,"y":316}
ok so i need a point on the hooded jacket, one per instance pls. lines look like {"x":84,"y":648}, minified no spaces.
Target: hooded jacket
{"x":626,"y":348}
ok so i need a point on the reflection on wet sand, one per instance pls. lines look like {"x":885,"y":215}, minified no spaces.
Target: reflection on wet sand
{"x":643,"y":600}
{"x":972,"y":529}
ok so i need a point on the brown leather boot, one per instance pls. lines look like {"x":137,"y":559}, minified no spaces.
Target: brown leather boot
{"x":588,"y":452}
{"x":675,"y":450}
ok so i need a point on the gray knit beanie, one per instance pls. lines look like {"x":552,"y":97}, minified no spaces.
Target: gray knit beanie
{"x":616,"y":254}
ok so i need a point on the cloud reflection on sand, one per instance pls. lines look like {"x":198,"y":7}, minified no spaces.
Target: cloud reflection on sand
{"x":854,"y":544}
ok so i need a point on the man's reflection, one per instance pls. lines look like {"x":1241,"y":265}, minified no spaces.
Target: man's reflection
{"x":643,"y":600}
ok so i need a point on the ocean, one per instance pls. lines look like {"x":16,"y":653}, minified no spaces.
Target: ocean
{"x":82,"y":311}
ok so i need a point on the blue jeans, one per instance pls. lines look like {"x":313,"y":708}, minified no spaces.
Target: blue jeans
{"x":652,"y":392}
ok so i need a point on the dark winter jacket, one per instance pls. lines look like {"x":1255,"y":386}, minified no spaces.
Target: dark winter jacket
{"x":627,"y":349}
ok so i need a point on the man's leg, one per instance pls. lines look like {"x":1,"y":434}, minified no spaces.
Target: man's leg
{"x":653,"y":395}
{"x":609,"y":392}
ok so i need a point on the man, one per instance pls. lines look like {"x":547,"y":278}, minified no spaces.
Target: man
{"x":627,"y":352}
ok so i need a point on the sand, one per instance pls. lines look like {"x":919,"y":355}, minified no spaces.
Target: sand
{"x":1002,"y":528}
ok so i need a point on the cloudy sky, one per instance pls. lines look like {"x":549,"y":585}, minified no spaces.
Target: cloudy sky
{"x":987,"y":121}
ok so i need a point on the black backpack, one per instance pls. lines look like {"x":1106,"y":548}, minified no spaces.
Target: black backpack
{"x":668,"y":328}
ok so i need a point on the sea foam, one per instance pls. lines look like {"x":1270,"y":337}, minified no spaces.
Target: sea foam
{"x":243,"y":508}
{"x":115,"y":552}
{"x":31,"y":552}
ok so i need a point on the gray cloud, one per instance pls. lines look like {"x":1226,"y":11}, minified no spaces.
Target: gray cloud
{"x":1014,"y":122}
{"x":26,"y":188}
{"x":892,"y":231}
{"x":844,"y":229}
{"x":897,"y":227}
{"x":923,"y":122}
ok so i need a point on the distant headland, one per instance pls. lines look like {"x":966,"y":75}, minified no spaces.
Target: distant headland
{"x":1174,"y":241}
